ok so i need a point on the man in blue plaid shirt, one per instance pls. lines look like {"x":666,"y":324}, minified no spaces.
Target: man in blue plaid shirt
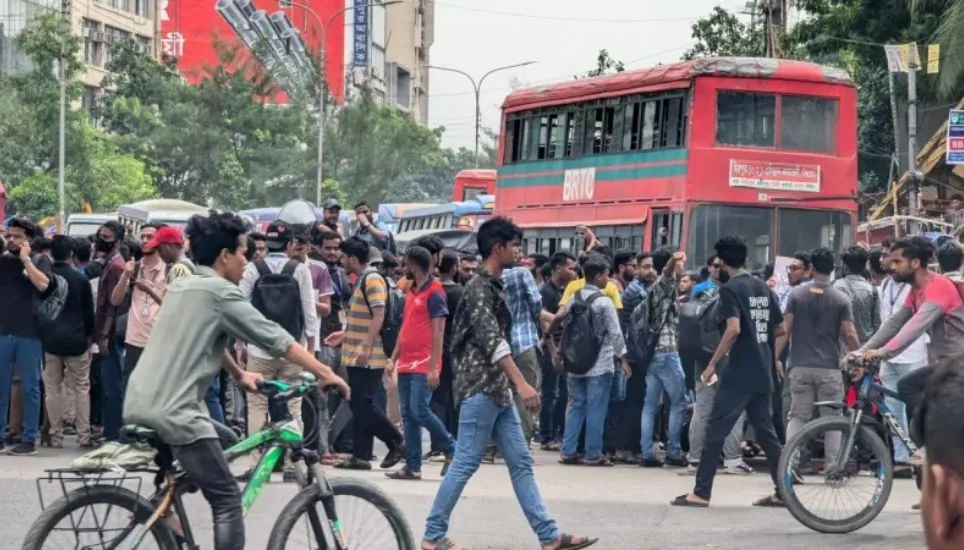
{"x":525,"y":305}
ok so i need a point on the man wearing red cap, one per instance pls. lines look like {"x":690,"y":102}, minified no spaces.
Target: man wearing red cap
{"x":170,"y":246}
{"x":141,"y":288}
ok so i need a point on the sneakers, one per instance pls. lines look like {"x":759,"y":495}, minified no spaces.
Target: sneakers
{"x":741,"y":469}
{"x":23,"y":449}
{"x":675,"y":462}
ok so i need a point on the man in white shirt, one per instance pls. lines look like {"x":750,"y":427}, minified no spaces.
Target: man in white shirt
{"x":892,"y":297}
{"x":281,"y":242}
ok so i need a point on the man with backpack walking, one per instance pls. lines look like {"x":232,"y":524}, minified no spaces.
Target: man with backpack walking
{"x":369,"y":341}
{"x":280,"y":288}
{"x":591,"y":342}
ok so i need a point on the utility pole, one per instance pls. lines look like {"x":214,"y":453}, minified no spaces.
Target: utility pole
{"x":913,"y":177}
{"x":62,"y":138}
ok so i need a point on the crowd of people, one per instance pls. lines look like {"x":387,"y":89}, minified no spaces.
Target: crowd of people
{"x":581,"y":353}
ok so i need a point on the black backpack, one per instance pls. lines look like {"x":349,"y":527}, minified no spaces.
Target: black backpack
{"x":278,"y":297}
{"x":698,"y":320}
{"x":394,"y":310}
{"x":641,"y":339}
{"x":580,"y":343}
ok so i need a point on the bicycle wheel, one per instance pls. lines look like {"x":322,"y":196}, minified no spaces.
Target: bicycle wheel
{"x":86,"y":527}
{"x":869,"y":462}
{"x":386,"y":529}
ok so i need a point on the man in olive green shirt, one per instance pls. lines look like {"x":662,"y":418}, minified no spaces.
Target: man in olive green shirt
{"x":184,"y":354}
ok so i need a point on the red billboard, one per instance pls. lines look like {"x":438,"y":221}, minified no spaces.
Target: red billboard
{"x":191,"y":28}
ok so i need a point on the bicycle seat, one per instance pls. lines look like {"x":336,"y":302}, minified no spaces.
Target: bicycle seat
{"x":142,"y":434}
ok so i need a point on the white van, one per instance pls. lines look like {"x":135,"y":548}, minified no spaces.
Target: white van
{"x":83,"y":225}
{"x":171,"y":212}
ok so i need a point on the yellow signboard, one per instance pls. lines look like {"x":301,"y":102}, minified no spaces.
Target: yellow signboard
{"x":933,"y":59}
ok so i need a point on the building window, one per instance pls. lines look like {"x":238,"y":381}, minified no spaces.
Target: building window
{"x":745,"y":119}
{"x":142,"y":7}
{"x":144,"y":45}
{"x":119,"y":4}
{"x":403,"y":88}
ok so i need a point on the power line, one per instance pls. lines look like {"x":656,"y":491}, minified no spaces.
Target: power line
{"x":560,"y":18}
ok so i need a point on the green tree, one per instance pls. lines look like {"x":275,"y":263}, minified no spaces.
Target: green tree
{"x":605,"y":64}
{"x":722,"y":34}
{"x":36,"y":196}
{"x":950,"y":35}
{"x":369,"y":147}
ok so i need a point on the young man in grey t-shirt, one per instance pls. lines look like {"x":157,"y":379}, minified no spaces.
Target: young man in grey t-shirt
{"x":818,"y":316}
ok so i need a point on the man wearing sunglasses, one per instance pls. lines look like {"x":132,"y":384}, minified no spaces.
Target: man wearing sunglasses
{"x":713,"y":265}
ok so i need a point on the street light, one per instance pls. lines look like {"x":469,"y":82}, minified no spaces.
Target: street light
{"x":478,"y":87}
{"x":324,"y":83}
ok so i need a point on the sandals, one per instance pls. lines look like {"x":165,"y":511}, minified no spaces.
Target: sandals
{"x":552,"y":446}
{"x":442,"y":544}
{"x":771,"y":501}
{"x":569,"y":460}
{"x":568,"y":542}
{"x":683,"y":501}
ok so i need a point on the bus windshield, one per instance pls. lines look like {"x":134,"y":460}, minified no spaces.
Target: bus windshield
{"x":798,"y":229}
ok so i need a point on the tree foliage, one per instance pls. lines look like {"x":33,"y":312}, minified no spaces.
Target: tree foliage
{"x":605,"y":64}
{"x":722,"y":34}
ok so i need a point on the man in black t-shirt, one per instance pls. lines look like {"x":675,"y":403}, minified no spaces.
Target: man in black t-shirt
{"x":750,"y":314}
{"x":555,"y":391}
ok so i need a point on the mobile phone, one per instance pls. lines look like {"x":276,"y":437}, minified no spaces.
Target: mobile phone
{"x":713,"y":380}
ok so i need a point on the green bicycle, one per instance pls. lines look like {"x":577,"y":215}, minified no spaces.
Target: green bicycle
{"x":161,"y":521}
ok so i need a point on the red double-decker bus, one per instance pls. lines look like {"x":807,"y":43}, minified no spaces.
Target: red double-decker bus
{"x":469,"y":183}
{"x":683,"y":154}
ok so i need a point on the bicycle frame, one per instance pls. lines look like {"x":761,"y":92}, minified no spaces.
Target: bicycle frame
{"x":874,"y":393}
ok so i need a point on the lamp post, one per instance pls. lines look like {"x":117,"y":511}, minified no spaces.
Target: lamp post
{"x":477,"y":87}
{"x":323,"y":94}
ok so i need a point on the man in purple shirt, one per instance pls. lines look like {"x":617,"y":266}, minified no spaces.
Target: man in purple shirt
{"x":315,"y":414}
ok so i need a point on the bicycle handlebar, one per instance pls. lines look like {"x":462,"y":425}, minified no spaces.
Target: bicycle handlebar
{"x":853,"y":361}
{"x":284,"y":391}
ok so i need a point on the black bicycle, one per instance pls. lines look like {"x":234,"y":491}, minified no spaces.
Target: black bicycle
{"x":322,"y":506}
{"x":860,"y":474}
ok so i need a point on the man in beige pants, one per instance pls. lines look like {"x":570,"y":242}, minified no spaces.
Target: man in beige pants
{"x":282,"y":246}
{"x":66,"y":343}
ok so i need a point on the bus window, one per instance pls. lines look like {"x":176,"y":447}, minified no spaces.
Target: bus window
{"x":672,"y":117}
{"x":745,"y":119}
{"x":661,"y":229}
{"x":556,"y":129}
{"x":650,"y":125}
{"x":541,"y":150}
{"x":570,"y":133}
{"x":709,"y":222}
{"x":808,"y":124}
{"x":797,"y":228}
{"x":514,"y":141}
{"x":676,"y":229}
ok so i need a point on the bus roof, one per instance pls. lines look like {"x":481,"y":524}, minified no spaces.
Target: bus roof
{"x":476,"y":205}
{"x":478,"y":173}
{"x":673,"y":76}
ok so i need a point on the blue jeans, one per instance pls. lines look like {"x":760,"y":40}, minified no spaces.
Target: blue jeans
{"x":589,"y":402}
{"x":665,"y":372}
{"x":26,"y":354}
{"x":416,"y":397}
{"x":112,"y":380}
{"x":213,"y":400}
{"x":480,"y":419}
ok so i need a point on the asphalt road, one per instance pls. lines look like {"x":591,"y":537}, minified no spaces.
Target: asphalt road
{"x":625,"y":506}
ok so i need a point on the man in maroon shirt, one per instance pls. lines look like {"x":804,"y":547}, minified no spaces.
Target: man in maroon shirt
{"x":109,"y":238}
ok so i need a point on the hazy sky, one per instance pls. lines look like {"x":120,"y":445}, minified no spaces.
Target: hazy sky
{"x":563,"y":36}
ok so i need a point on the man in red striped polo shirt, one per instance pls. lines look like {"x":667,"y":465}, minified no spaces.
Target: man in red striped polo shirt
{"x":418,"y":361}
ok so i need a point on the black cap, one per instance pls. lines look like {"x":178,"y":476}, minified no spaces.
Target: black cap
{"x":332,"y":203}
{"x":278,"y":234}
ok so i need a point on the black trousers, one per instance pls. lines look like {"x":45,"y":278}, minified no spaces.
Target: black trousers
{"x":911,"y":388}
{"x":629,"y":427}
{"x":368,"y":419}
{"x":727,"y":406}
{"x":555,"y":398}
{"x":132,"y":355}
{"x":204,"y":463}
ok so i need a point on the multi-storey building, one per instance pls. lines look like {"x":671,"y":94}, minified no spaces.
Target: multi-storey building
{"x":99,"y":22}
{"x":387,"y":48}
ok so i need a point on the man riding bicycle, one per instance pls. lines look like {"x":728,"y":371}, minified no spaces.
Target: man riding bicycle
{"x":933,"y":305}
{"x":184,"y":353}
